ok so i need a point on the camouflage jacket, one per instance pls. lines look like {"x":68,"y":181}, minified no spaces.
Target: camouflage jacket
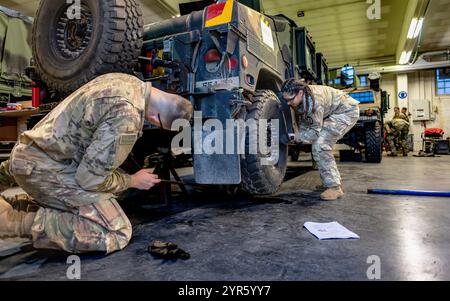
{"x":401,"y":116}
{"x":400,"y":124}
{"x":95,"y":128}
{"x":329,"y":101}
{"x":396,"y":125}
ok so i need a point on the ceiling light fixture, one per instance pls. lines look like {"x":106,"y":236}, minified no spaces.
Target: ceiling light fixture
{"x":405,"y":57}
{"x":418,"y":28}
{"x":414,"y":28}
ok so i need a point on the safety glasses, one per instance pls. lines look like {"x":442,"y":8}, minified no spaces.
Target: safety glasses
{"x":289,"y":97}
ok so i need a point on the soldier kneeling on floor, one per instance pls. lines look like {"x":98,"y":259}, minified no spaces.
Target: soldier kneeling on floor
{"x":68,"y":163}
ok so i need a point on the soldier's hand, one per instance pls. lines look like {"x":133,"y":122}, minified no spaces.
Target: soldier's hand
{"x":144,"y":179}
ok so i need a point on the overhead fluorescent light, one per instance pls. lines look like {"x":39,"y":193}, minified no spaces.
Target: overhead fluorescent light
{"x":405,"y":57}
{"x":412,"y":28}
{"x":415,"y":28}
{"x":402,"y":58}
{"x":418,"y":28}
{"x":408,"y":56}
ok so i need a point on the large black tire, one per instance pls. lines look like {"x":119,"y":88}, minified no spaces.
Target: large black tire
{"x":374,"y":143}
{"x":69,"y":53}
{"x":294,"y":152}
{"x":258,"y":179}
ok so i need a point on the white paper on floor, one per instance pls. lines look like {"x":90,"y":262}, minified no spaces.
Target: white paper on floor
{"x":332,"y":230}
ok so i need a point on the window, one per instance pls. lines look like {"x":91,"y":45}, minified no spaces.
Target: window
{"x":443,"y":81}
{"x":363,"y":97}
{"x":363,"y":81}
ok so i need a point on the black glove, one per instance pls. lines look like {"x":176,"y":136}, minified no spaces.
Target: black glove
{"x":167,"y":250}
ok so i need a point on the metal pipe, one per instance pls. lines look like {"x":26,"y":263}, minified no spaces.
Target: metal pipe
{"x":409,"y":192}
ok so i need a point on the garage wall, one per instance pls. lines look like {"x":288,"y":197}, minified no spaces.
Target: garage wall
{"x":421,"y":85}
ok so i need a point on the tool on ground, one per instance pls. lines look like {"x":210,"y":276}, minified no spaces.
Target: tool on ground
{"x":180,"y":183}
{"x":409,"y":192}
{"x":167,"y":250}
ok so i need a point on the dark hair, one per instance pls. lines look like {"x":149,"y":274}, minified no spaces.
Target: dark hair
{"x":293,"y":86}
{"x":405,"y":108}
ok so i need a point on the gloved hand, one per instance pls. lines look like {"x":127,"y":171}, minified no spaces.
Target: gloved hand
{"x":308,"y":136}
{"x":167,"y":250}
{"x":297,"y":137}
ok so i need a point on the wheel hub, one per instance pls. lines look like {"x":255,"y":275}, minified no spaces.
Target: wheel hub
{"x":73,"y":35}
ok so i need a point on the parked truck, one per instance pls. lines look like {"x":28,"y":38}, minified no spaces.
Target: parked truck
{"x":227,"y":58}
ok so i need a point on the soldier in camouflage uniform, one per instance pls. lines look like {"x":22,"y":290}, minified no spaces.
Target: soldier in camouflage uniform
{"x":401,"y":125}
{"x":396,"y":112}
{"x":405,"y":113}
{"x":397,"y":131}
{"x":325,"y":116}
{"x":391,"y":137}
{"x":68,"y":163}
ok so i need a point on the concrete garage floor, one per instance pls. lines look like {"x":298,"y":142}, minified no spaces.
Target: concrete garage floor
{"x":264,"y":239}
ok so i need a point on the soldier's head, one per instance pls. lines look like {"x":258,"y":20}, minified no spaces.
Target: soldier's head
{"x":294,"y":93}
{"x":162,"y":108}
{"x":404,"y":110}
{"x":396,"y":110}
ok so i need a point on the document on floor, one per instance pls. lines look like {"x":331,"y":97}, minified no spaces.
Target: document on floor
{"x":332,"y":230}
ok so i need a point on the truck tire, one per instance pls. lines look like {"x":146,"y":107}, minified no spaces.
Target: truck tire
{"x":295,"y":153}
{"x":73,"y":46}
{"x":259,"y":179}
{"x":374,"y":145}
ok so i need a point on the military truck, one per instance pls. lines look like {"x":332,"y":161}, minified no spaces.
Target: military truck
{"x":366,"y":137}
{"x":15,"y":55}
{"x":227,"y":58}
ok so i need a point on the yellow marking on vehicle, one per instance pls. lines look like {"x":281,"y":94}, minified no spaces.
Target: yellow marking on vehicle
{"x":223,"y":18}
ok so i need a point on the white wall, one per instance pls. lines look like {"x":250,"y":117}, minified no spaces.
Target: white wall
{"x":421,"y":85}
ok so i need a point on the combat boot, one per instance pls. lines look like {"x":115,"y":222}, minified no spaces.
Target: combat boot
{"x":14,"y":223}
{"x":332,"y":194}
{"x":322,"y":187}
{"x":392,"y":155}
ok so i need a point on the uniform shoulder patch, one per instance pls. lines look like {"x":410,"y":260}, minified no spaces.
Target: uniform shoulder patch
{"x":127,"y":139}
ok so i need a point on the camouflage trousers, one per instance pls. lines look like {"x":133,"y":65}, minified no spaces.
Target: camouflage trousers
{"x":69,"y":218}
{"x":333,"y":129}
{"x":392,"y":139}
{"x":398,"y":141}
{"x":403,"y":139}
{"x":6,"y":179}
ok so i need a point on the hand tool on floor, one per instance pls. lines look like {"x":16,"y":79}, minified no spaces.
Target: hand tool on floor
{"x":167,"y":250}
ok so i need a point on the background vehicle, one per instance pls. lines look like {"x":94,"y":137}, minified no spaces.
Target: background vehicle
{"x":367,"y":136}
